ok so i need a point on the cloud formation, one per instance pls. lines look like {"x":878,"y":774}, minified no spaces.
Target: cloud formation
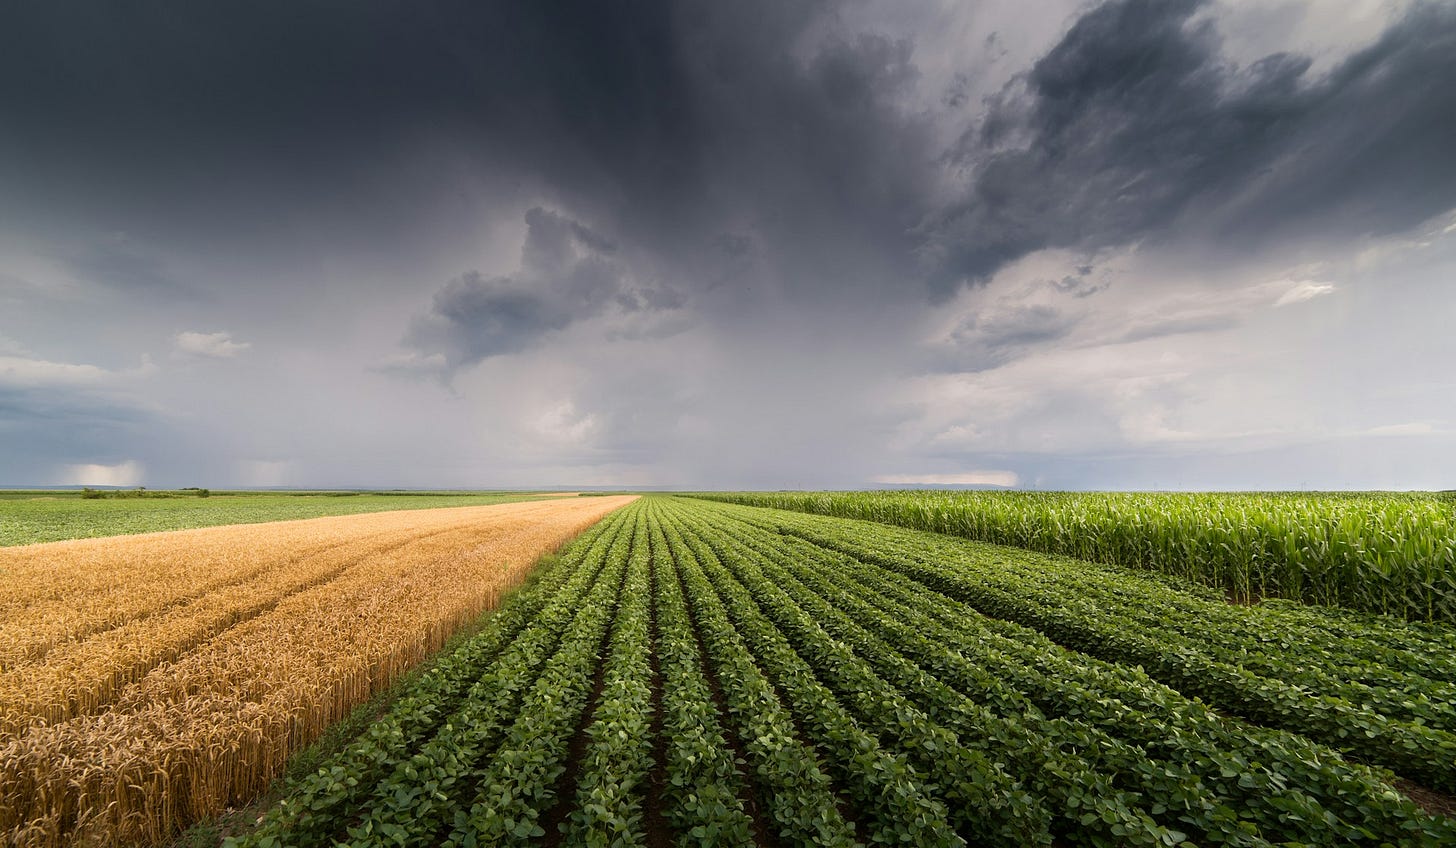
{"x":30,"y":372}
{"x":207,"y":345}
{"x":568,"y":274}
{"x":754,"y":243}
{"x":1135,"y":126}
{"x":1304,"y":290}
{"x":707,"y":134}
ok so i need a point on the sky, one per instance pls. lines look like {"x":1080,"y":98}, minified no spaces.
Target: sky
{"x":1146,"y":244}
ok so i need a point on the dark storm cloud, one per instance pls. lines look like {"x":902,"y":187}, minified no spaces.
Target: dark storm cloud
{"x":722,"y":144}
{"x":743,"y":214}
{"x":670,"y":126}
{"x":995,"y":336}
{"x":40,"y":424}
{"x":1135,"y":126}
{"x":42,"y":409}
{"x":246,"y":118}
{"x":567,"y":275}
{"x":474,"y":318}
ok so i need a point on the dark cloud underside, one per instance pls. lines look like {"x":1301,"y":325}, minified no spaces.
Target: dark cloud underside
{"x":678,"y":125}
{"x":1135,"y":126}
{"x":567,"y":275}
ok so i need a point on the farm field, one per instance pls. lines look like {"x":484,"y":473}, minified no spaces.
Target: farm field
{"x":1091,"y":364}
{"x":27,"y":517}
{"x":699,"y":673}
{"x":1383,"y":552}
{"x":148,"y":681}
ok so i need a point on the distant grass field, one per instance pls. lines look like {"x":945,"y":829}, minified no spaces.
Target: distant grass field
{"x":50,"y":516}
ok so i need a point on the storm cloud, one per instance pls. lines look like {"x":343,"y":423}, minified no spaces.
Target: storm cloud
{"x":568,"y":274}
{"x":759,"y":243}
{"x":1135,"y":126}
{"x":679,"y":125}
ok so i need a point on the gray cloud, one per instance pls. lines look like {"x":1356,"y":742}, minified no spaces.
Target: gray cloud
{"x":567,"y":275}
{"x":1080,"y":284}
{"x":681,"y":124}
{"x":995,"y":336}
{"x":474,"y":318}
{"x":692,"y":127}
{"x":1135,"y":126}
{"x":745,"y":217}
{"x":119,"y":263}
{"x":41,"y":427}
{"x":1179,"y":325}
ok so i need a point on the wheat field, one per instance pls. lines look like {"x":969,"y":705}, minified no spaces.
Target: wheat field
{"x":148,"y":681}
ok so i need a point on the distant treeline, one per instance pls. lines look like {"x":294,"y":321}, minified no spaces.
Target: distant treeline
{"x":91,"y":494}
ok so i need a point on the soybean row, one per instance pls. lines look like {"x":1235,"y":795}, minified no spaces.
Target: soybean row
{"x":691,"y":673}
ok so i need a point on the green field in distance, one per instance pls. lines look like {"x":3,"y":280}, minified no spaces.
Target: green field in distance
{"x":48,"y":516}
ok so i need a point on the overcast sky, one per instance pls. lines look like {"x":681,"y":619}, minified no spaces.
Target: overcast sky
{"x":765,"y":243}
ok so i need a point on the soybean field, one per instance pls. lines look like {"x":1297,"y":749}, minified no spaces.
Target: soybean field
{"x":698,"y":673}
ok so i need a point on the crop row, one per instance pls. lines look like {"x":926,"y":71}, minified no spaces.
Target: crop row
{"x":553,"y":732}
{"x":1377,"y":552}
{"x":216,"y":718}
{"x":1149,"y":764}
{"x":711,"y":675}
{"x":1268,"y":665}
{"x":408,"y":774}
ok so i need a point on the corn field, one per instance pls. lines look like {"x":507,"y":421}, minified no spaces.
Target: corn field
{"x":1378,"y":552}
{"x":150,"y":681}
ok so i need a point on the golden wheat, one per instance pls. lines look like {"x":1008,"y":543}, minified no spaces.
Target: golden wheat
{"x":50,"y":679}
{"x":206,"y":698}
{"x":42,"y":606}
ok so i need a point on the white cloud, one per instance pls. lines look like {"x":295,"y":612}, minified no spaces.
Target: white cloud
{"x":127,"y":473}
{"x":1056,"y":299}
{"x":17,"y":371}
{"x":1197,"y":367}
{"x":563,"y":423}
{"x":956,"y":435}
{"x":208,"y":345}
{"x":1162,"y":356}
{"x":1411,"y":428}
{"x":27,"y":373}
{"x":971,"y":478}
{"x":1302,"y":290}
{"x":1326,"y":32}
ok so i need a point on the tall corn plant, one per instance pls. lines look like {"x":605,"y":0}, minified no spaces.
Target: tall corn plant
{"x":1381,"y":552}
